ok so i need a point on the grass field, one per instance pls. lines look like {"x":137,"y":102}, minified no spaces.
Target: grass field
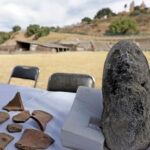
{"x":70,"y":62}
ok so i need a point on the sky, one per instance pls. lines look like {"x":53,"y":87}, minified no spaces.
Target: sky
{"x":54,"y":12}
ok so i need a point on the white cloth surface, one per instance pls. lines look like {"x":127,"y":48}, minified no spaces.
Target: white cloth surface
{"x":56,"y":103}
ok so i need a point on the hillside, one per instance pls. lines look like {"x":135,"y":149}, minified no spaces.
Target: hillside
{"x":82,"y":35}
{"x":99,"y":27}
{"x":94,"y":31}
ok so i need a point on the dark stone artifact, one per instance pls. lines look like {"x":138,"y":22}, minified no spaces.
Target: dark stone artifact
{"x":126,"y":98}
{"x":3,"y":116}
{"x":5,"y":139}
{"x":42,"y":118}
{"x":34,"y":139}
{"x":21,"y":117}
{"x":15,"y":104}
{"x":14,"y":128}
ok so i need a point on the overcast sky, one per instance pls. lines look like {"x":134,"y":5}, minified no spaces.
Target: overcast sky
{"x":53,"y":12}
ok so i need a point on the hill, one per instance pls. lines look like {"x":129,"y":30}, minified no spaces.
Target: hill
{"x":99,"y":27}
{"x":82,"y":35}
{"x":94,"y":31}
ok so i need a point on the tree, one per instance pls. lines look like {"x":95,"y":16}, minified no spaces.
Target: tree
{"x":16,"y":28}
{"x":32,"y":29}
{"x":44,"y":31}
{"x":104,"y":12}
{"x":125,"y":6}
{"x":86,"y":20}
{"x":123,"y":26}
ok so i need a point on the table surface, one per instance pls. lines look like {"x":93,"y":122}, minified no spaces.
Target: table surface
{"x":56,"y":103}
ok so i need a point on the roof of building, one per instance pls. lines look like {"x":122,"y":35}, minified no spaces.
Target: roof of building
{"x":51,"y":45}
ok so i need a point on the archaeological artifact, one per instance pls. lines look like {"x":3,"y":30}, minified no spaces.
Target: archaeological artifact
{"x":126,"y":98}
{"x":3,"y":116}
{"x":15,"y":104}
{"x":34,"y":139}
{"x":42,"y":118}
{"x":21,"y":117}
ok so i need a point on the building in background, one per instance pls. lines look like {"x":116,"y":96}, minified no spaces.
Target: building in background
{"x":132,"y":7}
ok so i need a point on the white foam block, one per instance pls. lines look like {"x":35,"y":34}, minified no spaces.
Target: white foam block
{"x":76,"y":133}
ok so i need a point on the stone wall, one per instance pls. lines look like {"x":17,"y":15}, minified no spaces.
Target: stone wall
{"x":144,"y":44}
{"x":7,"y":48}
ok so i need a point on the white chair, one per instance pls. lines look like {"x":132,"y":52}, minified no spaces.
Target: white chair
{"x":76,"y":133}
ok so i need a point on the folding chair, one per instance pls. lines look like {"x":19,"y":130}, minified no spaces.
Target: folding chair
{"x":69,"y":82}
{"x":25,"y":72}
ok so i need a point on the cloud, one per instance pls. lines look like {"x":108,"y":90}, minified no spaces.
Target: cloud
{"x":53,"y":12}
{"x":47,"y":13}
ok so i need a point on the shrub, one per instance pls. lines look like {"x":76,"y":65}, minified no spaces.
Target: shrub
{"x":86,"y":20}
{"x":44,"y":31}
{"x":95,"y":21}
{"x":53,"y":29}
{"x":104,"y":12}
{"x":4,"y":36}
{"x":123,"y":26}
{"x":139,"y":11}
{"x":32,"y":29}
{"x":57,"y":29}
{"x":135,"y":13}
{"x":16,"y":28}
{"x":144,"y":11}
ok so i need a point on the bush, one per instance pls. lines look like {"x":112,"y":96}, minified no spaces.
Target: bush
{"x":4,"y":36}
{"x":138,"y":11}
{"x":53,"y":29}
{"x":16,"y":28}
{"x":135,"y":13}
{"x":57,"y":29}
{"x":123,"y":26}
{"x":86,"y":20}
{"x":104,"y":12}
{"x":44,"y":31}
{"x":144,"y":11}
{"x":95,"y":21}
{"x":32,"y":29}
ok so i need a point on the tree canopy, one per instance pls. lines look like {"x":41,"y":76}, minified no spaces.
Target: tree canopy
{"x":16,"y":28}
{"x":104,"y":12}
{"x":32,"y":29}
{"x":86,"y":20}
{"x":44,"y":31}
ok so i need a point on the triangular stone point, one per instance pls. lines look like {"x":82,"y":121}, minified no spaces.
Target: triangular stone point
{"x":15,"y":104}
